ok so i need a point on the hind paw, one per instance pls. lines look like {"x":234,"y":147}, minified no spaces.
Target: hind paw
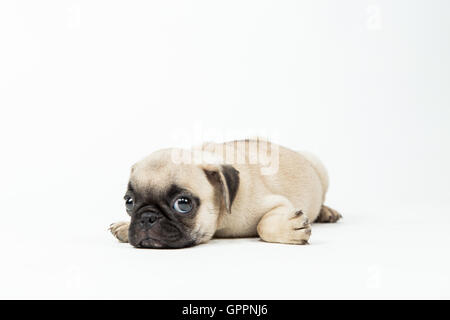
{"x":328,"y":215}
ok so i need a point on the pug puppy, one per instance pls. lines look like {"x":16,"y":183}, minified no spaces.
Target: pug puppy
{"x":179,"y":198}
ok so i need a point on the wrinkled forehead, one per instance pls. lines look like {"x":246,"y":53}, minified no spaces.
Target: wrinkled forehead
{"x":156,"y":176}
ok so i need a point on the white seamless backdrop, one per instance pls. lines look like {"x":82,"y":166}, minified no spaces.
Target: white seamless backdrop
{"x":89,"y":87}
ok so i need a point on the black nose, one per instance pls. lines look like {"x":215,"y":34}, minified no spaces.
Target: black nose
{"x":148,"y":219}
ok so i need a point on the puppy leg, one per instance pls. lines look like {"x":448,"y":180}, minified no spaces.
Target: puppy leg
{"x":120,"y":230}
{"x":328,"y":215}
{"x":284,"y":224}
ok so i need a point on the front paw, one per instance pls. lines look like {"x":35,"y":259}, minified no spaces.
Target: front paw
{"x":300,"y":229}
{"x":290,"y":228}
{"x":120,"y":230}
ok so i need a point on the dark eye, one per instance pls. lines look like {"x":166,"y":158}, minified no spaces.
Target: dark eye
{"x":129,"y":202}
{"x":183,"y":205}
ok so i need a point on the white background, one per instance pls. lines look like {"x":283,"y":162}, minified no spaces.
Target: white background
{"x":89,"y":87}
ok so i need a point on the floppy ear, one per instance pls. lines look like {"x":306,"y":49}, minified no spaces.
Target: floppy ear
{"x":226,"y":178}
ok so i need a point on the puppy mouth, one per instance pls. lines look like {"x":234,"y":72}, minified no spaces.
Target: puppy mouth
{"x":160,"y":238}
{"x":150,"y":243}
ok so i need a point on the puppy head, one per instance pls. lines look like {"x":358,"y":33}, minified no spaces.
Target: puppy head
{"x":177,"y":205}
